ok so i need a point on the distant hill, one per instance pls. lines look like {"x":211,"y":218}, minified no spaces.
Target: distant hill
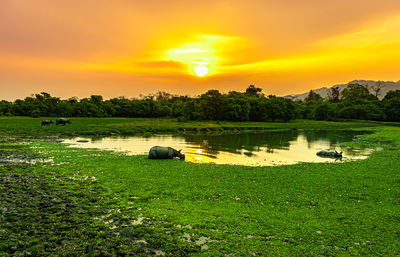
{"x":373,"y":86}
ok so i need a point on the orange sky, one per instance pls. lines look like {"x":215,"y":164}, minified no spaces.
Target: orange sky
{"x":131,"y":47}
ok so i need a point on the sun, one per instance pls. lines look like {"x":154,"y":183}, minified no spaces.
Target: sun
{"x":199,"y":57}
{"x":201,"y":70}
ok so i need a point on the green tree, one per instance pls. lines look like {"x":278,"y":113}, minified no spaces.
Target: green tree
{"x":258,"y":108}
{"x":322,"y":111}
{"x":313,"y":97}
{"x":178,"y":105}
{"x":237,"y":108}
{"x":333,"y":94}
{"x":35,"y":113}
{"x":361,"y":109}
{"x":212,"y":105}
{"x":280,"y":108}
{"x":302,"y":110}
{"x":96,"y":99}
{"x":391,"y":108}
{"x":192,"y":110}
{"x":253,"y":91}
{"x":5,"y":108}
{"x":355,"y":92}
{"x":392,"y":94}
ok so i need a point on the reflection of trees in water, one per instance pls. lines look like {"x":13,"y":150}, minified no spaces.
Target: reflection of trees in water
{"x":246,"y":141}
{"x":213,"y":144}
{"x":96,"y":139}
{"x":332,"y":137}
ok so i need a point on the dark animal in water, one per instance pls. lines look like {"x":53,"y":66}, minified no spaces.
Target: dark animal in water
{"x":62,"y":121}
{"x":334,"y":154}
{"x":47,"y":122}
{"x":159,"y":152}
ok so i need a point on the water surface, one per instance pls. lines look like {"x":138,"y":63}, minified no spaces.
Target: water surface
{"x":251,"y":149}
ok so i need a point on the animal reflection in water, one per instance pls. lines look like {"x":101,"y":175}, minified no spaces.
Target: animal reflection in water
{"x":159,"y":152}
{"x":329,"y":154}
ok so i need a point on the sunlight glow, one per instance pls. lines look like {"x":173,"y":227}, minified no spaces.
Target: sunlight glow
{"x":201,"y":70}
{"x":201,"y":56}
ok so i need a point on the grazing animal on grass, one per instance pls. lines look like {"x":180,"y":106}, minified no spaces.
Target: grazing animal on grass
{"x":159,"y":152}
{"x":47,"y":122}
{"x":334,"y":154}
{"x":62,"y":121}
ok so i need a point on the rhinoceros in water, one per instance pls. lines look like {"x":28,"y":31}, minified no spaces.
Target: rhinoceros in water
{"x":334,"y":154}
{"x":62,"y":121}
{"x":159,"y":152}
{"x":47,"y":122}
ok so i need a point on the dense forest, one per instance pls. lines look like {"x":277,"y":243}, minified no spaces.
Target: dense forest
{"x":354,"y":102}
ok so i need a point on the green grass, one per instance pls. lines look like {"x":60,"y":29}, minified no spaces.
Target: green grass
{"x":104,"y":203}
{"x":26,"y":126}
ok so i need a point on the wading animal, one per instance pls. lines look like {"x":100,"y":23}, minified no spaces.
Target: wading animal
{"x":334,"y":154}
{"x":47,"y":122}
{"x":159,"y":152}
{"x":62,"y":121}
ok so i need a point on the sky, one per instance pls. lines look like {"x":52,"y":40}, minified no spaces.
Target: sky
{"x":78,"y":48}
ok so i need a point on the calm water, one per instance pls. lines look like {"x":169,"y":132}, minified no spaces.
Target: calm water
{"x":251,"y":149}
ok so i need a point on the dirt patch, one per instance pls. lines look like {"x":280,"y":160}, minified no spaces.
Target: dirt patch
{"x":14,"y":155}
{"x":41,"y":215}
{"x":7,"y":159}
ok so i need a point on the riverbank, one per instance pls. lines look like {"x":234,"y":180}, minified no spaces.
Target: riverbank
{"x":89,"y":202}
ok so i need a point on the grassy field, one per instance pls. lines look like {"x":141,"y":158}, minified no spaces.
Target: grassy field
{"x":91,"y":202}
{"x":31,"y":127}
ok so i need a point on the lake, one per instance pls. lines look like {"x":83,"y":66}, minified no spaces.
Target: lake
{"x":250,"y":149}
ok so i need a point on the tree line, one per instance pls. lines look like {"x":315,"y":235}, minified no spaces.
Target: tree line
{"x":354,"y":102}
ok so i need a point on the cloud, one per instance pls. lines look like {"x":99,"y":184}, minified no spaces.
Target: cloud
{"x":160,"y":64}
{"x":126,"y":43}
{"x":376,"y":46}
{"x":381,"y":32}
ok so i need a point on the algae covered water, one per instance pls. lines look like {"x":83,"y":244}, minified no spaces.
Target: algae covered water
{"x":250,"y":149}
